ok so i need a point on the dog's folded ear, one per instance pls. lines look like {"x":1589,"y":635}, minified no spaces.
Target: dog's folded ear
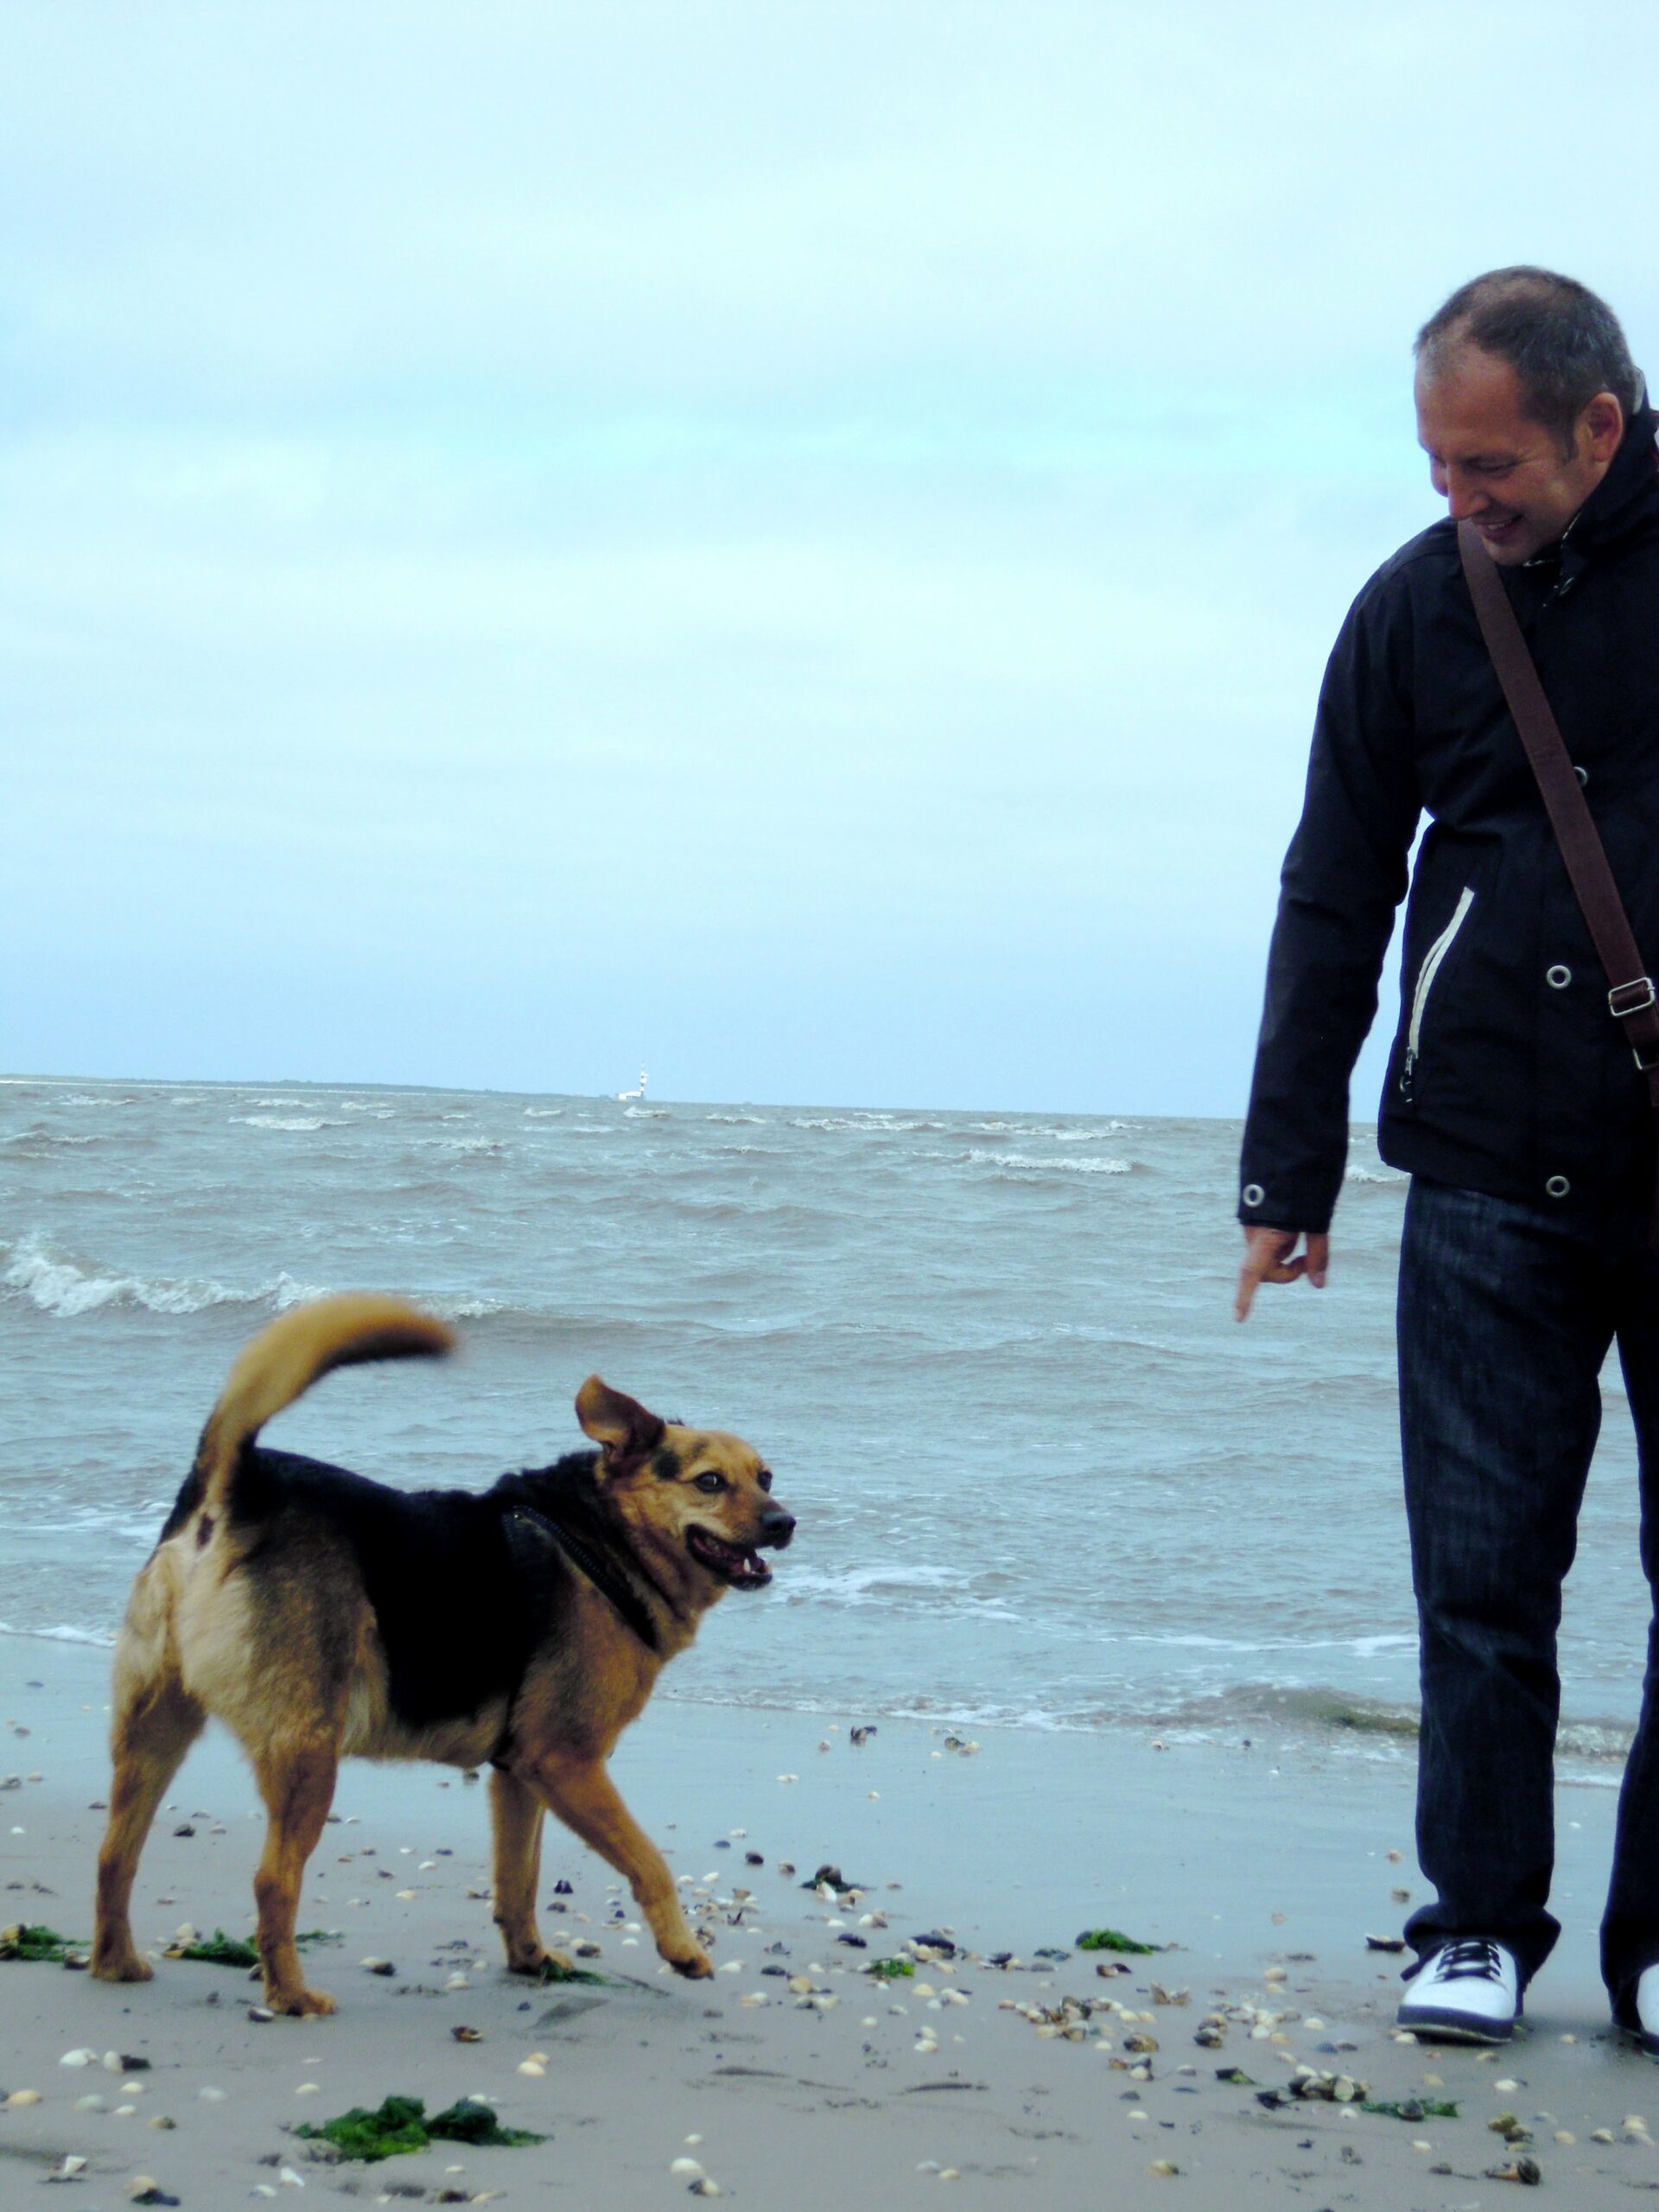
{"x":619,"y":1425}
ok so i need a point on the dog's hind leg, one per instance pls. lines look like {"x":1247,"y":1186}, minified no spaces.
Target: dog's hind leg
{"x":516,"y":1815}
{"x":585,"y":1798}
{"x":296,"y":1781}
{"x":156,"y":1724}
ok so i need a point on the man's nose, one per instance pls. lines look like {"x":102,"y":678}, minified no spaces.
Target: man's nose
{"x":1466,"y":495}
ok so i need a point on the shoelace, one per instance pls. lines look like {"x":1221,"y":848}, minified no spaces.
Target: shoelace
{"x":1472,"y":1958}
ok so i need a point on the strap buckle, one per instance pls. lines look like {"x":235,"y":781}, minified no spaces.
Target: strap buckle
{"x":1620,"y":1002}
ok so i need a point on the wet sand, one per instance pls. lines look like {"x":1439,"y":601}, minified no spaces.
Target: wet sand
{"x":793,"y":2076}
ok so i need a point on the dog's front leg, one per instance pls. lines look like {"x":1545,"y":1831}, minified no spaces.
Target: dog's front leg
{"x":585,"y":1798}
{"x":297,"y":1783}
{"x":517,"y":1812}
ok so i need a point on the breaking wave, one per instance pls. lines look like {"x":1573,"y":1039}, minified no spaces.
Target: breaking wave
{"x":65,"y":1287}
{"x":1019,"y":1163}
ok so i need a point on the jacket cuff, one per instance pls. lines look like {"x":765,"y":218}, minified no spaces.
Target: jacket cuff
{"x":1284,"y":1207}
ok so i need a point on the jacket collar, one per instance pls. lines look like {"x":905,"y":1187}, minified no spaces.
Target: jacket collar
{"x":1624,"y":504}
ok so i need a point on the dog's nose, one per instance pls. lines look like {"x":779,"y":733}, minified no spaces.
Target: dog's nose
{"x":778,"y":1527}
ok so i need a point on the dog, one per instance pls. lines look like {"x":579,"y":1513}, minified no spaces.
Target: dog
{"x":320,"y":1615}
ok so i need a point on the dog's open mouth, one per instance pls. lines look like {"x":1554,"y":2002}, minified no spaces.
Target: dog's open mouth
{"x":738,"y":1564}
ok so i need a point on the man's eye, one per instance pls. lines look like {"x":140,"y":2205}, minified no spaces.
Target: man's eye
{"x":711,"y":1483}
{"x":765,"y":1479}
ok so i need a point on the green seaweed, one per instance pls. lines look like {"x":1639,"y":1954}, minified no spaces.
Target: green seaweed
{"x":468,"y":2122}
{"x":890,"y":1969}
{"x":1112,"y":1939}
{"x":552,"y":1969}
{"x":1412,"y":2108}
{"x":218,"y":1949}
{"x":34,"y":1944}
{"x":401,"y":2125}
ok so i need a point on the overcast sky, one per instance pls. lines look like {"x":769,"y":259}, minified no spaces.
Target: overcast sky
{"x":788,"y":545}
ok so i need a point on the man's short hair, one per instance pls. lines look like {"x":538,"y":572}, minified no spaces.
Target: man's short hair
{"x":1564,"y":344}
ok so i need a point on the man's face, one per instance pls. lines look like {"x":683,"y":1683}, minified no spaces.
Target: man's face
{"x":1496,"y":466}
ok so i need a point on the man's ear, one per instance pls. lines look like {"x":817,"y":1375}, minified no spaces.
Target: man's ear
{"x":621,"y":1427}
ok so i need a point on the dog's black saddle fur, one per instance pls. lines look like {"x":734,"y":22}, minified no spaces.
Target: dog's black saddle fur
{"x":465,"y":1586}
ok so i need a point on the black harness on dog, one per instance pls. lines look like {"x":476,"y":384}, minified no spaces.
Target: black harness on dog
{"x":606,"y":1577}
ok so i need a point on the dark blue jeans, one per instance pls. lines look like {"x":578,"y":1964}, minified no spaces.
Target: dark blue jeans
{"x":1507,"y":1311}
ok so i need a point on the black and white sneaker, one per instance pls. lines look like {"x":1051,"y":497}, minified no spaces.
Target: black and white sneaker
{"x":1644,"y":2002}
{"x":1466,"y":1991}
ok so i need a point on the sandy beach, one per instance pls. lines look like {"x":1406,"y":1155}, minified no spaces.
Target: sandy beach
{"x":793,"y":2075}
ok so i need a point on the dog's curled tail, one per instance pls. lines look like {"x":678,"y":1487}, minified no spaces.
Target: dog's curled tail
{"x":284,"y":1360}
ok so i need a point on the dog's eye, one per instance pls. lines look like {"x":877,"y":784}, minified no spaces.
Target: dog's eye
{"x":711,"y":1483}
{"x":765,"y":1479}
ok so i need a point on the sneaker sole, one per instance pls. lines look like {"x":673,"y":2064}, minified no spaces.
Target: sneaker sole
{"x":1640,"y":2038}
{"x":1455,"y":2027}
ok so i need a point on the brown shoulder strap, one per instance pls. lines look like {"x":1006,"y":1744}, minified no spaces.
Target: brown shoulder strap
{"x":1631,"y":998}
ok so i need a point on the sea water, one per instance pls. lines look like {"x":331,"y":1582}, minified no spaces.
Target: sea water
{"x":1042,"y":1477}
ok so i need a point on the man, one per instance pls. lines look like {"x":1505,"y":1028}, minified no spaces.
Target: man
{"x":1512,"y":1095}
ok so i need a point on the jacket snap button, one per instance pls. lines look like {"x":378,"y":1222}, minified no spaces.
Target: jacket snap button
{"x":1558,"y":977}
{"x":1252,"y":1194}
{"x":1582,"y":774}
{"x":1558,"y":1186}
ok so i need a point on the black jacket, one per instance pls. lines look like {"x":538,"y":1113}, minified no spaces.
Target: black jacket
{"x":1508,"y":1074}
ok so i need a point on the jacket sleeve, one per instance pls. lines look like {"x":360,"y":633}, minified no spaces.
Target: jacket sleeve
{"x":1343,"y":876}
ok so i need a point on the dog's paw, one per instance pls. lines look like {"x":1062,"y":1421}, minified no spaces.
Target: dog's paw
{"x":122,"y":1966}
{"x":300,"y":2004}
{"x":696,"y":1966}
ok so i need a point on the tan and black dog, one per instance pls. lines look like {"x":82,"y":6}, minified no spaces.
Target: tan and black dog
{"x":320,"y":1615}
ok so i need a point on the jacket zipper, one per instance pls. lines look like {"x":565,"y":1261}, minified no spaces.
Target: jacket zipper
{"x":1426,"y":976}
